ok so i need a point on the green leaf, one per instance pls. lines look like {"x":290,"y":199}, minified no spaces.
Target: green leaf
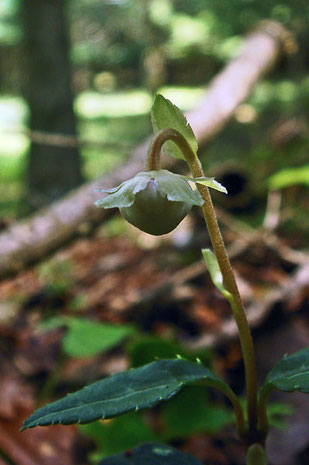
{"x":277,"y":413}
{"x":145,"y":349}
{"x":164,"y":114}
{"x":211,"y":182}
{"x":135,"y":389}
{"x":124,"y":432}
{"x":85,"y":338}
{"x":152,"y":454}
{"x":290,"y":374}
{"x":215,"y":273}
{"x":289,"y":177}
{"x":191,"y":412}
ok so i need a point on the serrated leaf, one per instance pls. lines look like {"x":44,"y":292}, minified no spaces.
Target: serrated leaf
{"x":211,"y":182}
{"x":290,"y":374}
{"x":85,"y":338}
{"x":152,"y":454}
{"x":215,"y":273}
{"x":164,"y":114}
{"x":135,"y":389}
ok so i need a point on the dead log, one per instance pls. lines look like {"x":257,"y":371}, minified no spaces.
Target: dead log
{"x":31,"y":239}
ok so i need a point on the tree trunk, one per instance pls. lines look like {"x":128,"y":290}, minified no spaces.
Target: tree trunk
{"x":52,"y":171}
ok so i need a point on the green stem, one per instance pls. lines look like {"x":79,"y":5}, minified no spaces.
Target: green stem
{"x":54,"y":377}
{"x":241,"y":429}
{"x":262,"y":409}
{"x":153,"y":163}
{"x":256,"y":455}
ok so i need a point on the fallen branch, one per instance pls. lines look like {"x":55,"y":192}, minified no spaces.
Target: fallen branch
{"x":49,"y":228}
{"x":62,"y":140}
{"x":257,"y":312}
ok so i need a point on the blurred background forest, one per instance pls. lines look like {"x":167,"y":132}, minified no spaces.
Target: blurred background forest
{"x":77,"y":81}
{"x":117,"y":54}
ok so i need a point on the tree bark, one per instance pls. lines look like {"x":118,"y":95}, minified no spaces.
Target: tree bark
{"x":33,"y":238}
{"x":52,"y":171}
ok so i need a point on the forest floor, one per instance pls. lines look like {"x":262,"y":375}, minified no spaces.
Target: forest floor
{"x":159,"y":287}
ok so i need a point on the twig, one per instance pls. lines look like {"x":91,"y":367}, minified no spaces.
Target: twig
{"x":245,"y":233}
{"x":272,"y":215}
{"x":63,"y":140}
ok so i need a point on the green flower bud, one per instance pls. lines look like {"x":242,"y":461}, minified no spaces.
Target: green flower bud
{"x":153,"y":201}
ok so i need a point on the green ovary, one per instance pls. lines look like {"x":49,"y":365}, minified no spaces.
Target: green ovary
{"x":153,"y":213}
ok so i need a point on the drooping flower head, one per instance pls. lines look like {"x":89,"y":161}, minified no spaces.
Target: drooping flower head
{"x":153,"y":201}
